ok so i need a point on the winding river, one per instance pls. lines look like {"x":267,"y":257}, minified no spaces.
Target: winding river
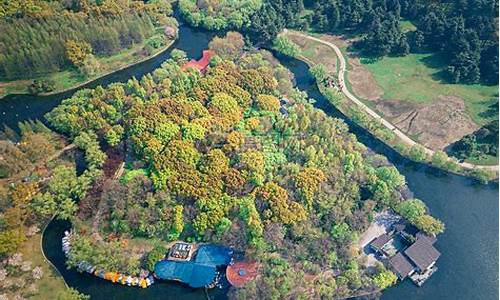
{"x":469,"y":262}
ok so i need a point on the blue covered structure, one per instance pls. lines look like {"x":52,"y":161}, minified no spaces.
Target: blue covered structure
{"x":196,"y":275}
{"x":200,"y":271}
{"x":213,"y":255}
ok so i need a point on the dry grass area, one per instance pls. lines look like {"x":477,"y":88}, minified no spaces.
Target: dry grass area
{"x":362,"y":82}
{"x":436,"y":124}
{"x":316,"y":52}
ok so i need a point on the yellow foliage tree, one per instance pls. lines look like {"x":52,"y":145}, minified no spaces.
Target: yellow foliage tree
{"x":308,"y":182}
{"x":78,"y":51}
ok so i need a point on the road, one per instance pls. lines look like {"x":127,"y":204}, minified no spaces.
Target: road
{"x":401,"y":135}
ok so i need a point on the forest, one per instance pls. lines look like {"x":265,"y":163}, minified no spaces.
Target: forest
{"x":219,"y":157}
{"x":41,"y":37}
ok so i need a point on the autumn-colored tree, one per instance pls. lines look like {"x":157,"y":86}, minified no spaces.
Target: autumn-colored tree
{"x":276,"y":207}
{"x":429,"y":225}
{"x":225,"y":109}
{"x":214,"y":163}
{"x":253,"y":163}
{"x":234,"y":181}
{"x":229,"y":47}
{"x":77,"y":51}
{"x":268,"y":103}
{"x":10,"y":240}
{"x":22,"y":193}
{"x":235,"y":140}
{"x":308,"y":182}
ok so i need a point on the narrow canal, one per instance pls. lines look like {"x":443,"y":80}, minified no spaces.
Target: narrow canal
{"x":469,"y":262}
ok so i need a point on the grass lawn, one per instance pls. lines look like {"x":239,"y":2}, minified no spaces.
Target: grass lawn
{"x":51,"y":282}
{"x":416,"y":78}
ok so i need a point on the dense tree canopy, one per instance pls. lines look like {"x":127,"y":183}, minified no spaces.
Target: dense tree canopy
{"x":217,"y":15}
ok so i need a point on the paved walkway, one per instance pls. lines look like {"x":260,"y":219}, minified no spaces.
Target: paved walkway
{"x":406,"y":139}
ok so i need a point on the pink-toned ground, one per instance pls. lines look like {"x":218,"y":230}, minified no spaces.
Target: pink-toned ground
{"x":436,"y":124}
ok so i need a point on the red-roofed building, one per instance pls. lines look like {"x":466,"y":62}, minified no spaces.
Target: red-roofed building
{"x":240,"y":273}
{"x":202,"y":64}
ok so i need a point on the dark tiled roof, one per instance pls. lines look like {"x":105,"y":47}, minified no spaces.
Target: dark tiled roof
{"x":401,"y":265}
{"x":421,"y":235}
{"x":380,"y":241}
{"x":422,"y":253}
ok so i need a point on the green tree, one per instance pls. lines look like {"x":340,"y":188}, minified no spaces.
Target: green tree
{"x":385,"y":279}
{"x":154,"y":256}
{"x":286,"y":46}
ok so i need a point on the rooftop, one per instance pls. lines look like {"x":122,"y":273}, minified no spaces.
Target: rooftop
{"x":202,"y":64}
{"x":195,"y":275}
{"x":422,"y":253}
{"x":197,"y":272}
{"x":401,"y":265}
{"x":240,"y":273}
{"x":379,"y":242}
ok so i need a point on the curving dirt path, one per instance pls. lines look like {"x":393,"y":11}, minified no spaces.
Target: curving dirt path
{"x":406,"y":139}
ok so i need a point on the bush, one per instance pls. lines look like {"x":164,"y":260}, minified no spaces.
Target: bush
{"x":417,"y":153}
{"x":155,"y":255}
{"x":286,"y":47}
{"x":483,"y":176}
{"x":42,"y":86}
{"x":439,"y":159}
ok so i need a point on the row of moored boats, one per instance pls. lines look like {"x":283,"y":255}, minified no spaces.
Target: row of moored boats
{"x":141,"y":281}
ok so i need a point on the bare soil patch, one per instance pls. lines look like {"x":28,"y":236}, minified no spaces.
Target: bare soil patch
{"x":435,"y":125}
{"x":362,"y":82}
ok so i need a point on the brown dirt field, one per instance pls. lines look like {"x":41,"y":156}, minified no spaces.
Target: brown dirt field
{"x":362,"y":82}
{"x":436,"y":124}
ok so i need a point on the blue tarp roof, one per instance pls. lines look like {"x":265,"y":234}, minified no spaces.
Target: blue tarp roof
{"x":199,"y":272}
{"x":196,"y":275}
{"x":213,"y":255}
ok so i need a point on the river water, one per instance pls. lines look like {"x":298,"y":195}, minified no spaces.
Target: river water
{"x":468,"y":266}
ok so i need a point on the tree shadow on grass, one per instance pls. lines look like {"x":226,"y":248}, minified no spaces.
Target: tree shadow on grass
{"x":492,"y":110}
{"x":437,"y":62}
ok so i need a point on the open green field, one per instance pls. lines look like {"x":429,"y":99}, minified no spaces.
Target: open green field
{"x":417,"y":78}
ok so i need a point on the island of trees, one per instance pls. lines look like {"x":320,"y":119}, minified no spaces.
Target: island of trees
{"x":234,"y":156}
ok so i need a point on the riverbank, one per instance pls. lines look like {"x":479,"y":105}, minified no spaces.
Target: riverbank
{"x":339,"y":94}
{"x":70,"y":79}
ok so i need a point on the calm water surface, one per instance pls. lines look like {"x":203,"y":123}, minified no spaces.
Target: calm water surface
{"x":469,"y":263}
